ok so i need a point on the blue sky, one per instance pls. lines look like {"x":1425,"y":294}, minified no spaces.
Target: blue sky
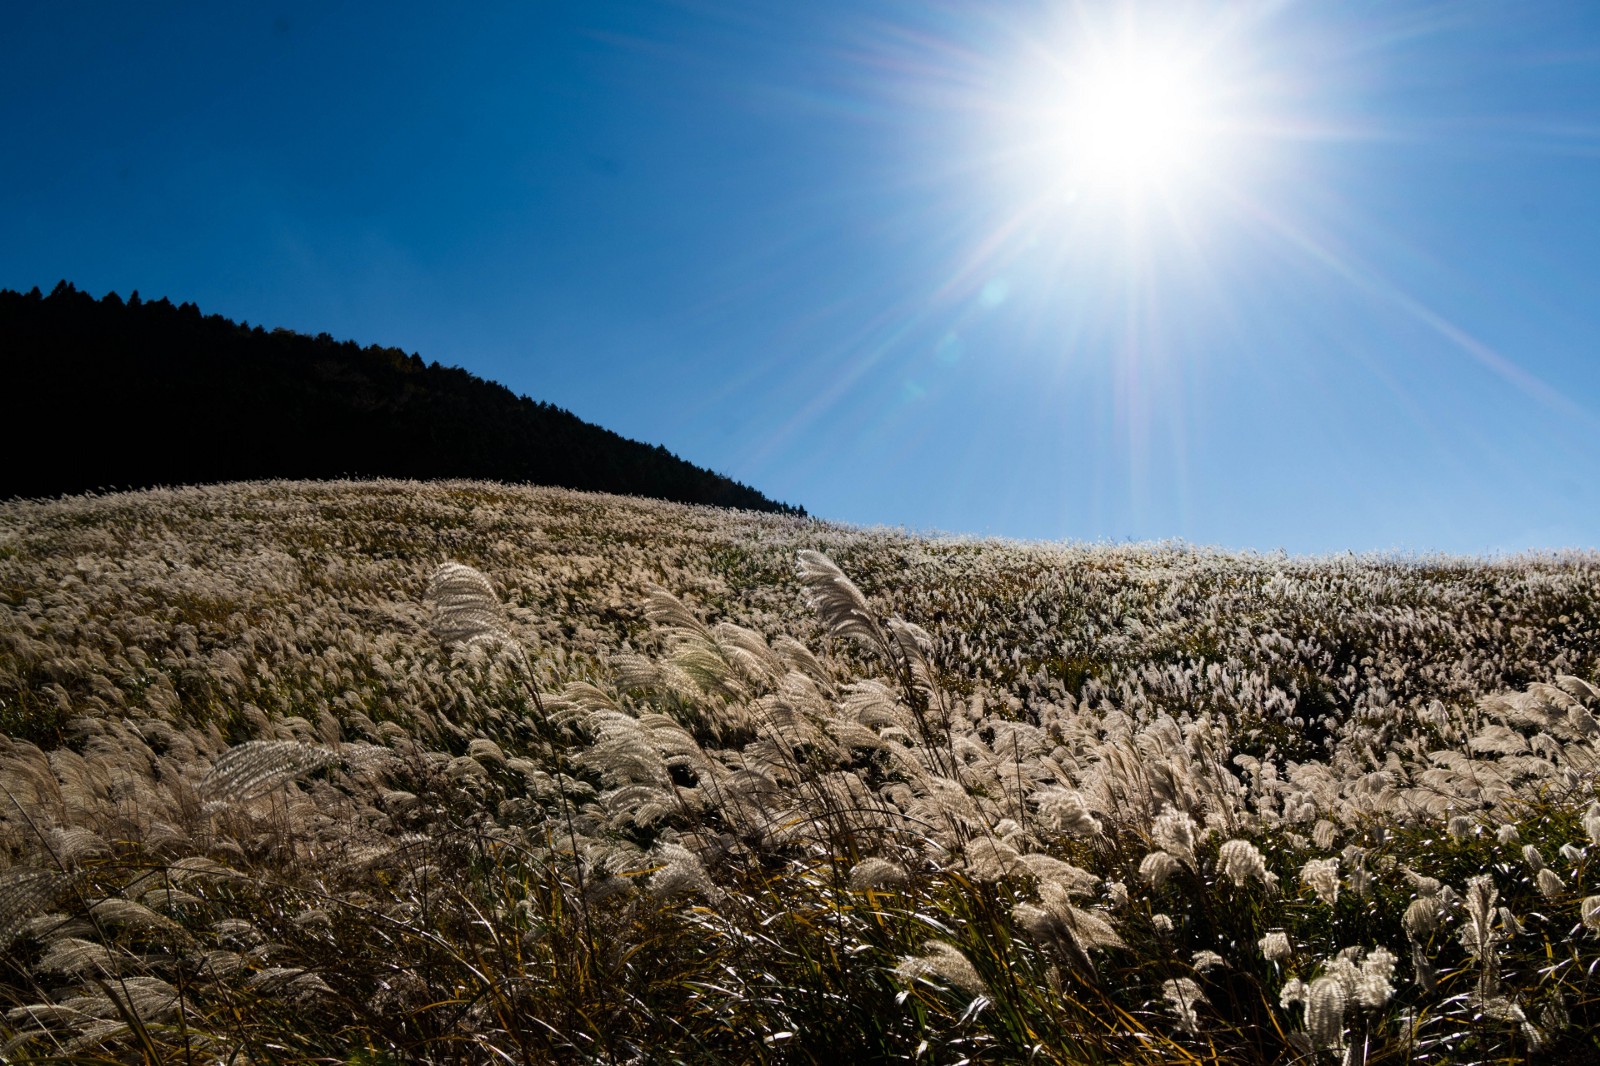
{"x":858,"y":254}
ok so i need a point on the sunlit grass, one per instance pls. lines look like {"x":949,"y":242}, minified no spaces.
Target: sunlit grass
{"x":641,"y":782}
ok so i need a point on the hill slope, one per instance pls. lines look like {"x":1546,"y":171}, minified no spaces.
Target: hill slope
{"x":632,"y":781}
{"x":130,"y":395}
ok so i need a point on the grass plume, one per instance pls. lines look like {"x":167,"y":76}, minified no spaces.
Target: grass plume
{"x":280,"y":785}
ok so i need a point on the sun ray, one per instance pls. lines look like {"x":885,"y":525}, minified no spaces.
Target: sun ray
{"x":1369,"y":280}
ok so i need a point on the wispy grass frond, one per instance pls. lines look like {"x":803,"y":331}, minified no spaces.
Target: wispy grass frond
{"x":24,"y":892}
{"x":467,"y":612}
{"x":840,"y":605}
{"x":668,"y":613}
{"x":74,"y":956}
{"x":255,"y":767}
{"x":945,"y":962}
{"x":117,"y":913}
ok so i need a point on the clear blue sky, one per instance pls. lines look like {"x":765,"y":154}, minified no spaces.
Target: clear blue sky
{"x":870,"y":257}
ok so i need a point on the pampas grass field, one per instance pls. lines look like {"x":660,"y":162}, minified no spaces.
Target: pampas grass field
{"x":389,"y":772}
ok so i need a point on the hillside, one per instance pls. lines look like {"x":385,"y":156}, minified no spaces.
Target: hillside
{"x":108,"y":394}
{"x":391,"y":771}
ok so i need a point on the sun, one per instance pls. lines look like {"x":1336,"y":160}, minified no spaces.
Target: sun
{"x":1109,"y":148}
{"x":1126,"y":112}
{"x":1132,"y":120}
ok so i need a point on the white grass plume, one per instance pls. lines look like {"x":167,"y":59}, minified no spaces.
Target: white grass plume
{"x":466,"y":611}
{"x":256,"y":766}
{"x":946,"y":962}
{"x":840,"y":604}
{"x":1183,"y":996}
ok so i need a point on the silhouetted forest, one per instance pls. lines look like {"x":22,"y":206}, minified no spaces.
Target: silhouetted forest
{"x":103,"y":394}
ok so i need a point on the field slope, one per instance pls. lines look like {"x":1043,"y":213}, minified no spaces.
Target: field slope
{"x":375,"y":772}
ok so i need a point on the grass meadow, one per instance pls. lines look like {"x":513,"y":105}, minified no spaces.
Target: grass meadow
{"x":388,"y":772}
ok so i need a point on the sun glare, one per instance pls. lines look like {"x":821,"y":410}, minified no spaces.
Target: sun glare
{"x":1120,"y":148}
{"x":1130,"y":112}
{"x":1133,"y":120}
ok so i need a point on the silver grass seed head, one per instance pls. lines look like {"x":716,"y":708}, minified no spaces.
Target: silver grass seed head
{"x":1037,"y":921}
{"x":1174,"y":832}
{"x":1554,"y":1017}
{"x":878,"y":874}
{"x":1241,"y":862}
{"x":1275,"y":946}
{"x":1090,"y":930}
{"x":1589,"y":912}
{"x":1070,"y":931}
{"x":1501,"y":1009}
{"x":47,"y":1016}
{"x":838,"y":602}
{"x":1480,"y":899}
{"x":1374,"y":983}
{"x":946,"y":963}
{"x":1158,"y":867}
{"x":682,"y":874}
{"x":1322,"y":877}
{"x":1074,"y":880}
{"x":149,"y":998}
{"x":169,"y":896}
{"x":1423,"y":972}
{"x":1325,"y":1004}
{"x":1066,"y":810}
{"x":239,"y":931}
{"x":486,"y":752}
{"x":1421,"y":919}
{"x":1577,"y":686}
{"x":250,"y":769}
{"x":126,"y":914}
{"x":24,"y":892}
{"x":1591,"y":823}
{"x":70,"y":846}
{"x":665,"y":611}
{"x":464,"y":605}
{"x":1550,"y":883}
{"x":74,"y":956}
{"x":293,"y":983}
{"x":989,"y":859}
{"x":218,"y":964}
{"x":1183,"y":997}
{"x":1477,"y":934}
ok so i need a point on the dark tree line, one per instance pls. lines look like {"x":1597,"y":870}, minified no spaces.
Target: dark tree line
{"x":101,"y":394}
